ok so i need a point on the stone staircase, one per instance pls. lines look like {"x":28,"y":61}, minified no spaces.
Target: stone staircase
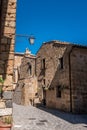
{"x":3,"y":110}
{"x":2,"y":104}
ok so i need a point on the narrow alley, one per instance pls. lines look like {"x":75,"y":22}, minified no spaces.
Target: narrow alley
{"x":32,"y":118}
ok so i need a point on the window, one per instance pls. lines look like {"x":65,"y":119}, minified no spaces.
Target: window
{"x":44,"y":81}
{"x":58,"y":91}
{"x":29,"y":69}
{"x":43,"y":64}
{"x":61,"y":62}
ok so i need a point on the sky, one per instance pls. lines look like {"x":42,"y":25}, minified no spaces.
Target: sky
{"x":63,"y":20}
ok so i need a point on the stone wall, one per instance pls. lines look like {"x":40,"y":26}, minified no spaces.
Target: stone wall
{"x":54,"y":75}
{"x":72,"y":78}
{"x":79,"y":79}
{"x":17,"y":62}
{"x":26,"y":87}
{"x":7,"y":41}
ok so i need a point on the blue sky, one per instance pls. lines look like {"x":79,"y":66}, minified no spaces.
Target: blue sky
{"x":64,"y":20}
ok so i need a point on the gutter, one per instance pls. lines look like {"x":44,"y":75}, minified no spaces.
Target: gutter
{"x":70,"y":81}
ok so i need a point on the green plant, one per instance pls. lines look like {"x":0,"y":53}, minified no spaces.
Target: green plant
{"x":6,"y":120}
{"x":1,"y":80}
{"x":1,"y":86}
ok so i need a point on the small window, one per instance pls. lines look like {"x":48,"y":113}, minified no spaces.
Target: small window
{"x":58,"y":91}
{"x":43,"y":64}
{"x":29,"y":69}
{"x":44,"y":81}
{"x":61,"y":62}
{"x":30,"y":72}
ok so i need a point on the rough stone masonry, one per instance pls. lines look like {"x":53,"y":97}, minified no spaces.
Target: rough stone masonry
{"x":7,"y":41}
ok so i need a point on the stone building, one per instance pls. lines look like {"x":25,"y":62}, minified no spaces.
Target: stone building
{"x":7,"y":41}
{"x":17,"y":62}
{"x":61,"y":70}
{"x":25,"y":78}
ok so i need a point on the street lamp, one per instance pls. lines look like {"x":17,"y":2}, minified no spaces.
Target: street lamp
{"x":31,"y":38}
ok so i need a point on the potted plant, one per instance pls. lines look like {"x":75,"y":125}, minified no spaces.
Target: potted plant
{"x":6,"y":123}
{"x":1,"y":85}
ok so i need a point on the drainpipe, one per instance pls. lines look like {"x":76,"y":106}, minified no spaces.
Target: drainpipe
{"x":35,"y":67}
{"x":70,"y":84}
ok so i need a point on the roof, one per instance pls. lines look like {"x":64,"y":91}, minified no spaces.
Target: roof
{"x":63,"y":43}
{"x":19,"y":54}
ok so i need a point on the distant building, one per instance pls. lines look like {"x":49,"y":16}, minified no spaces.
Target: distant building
{"x":62,"y":76}
{"x":25,"y":78}
{"x":17,"y":62}
{"x":57,"y":74}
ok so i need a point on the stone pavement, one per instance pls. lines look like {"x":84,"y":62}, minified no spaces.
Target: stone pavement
{"x":5,"y":111}
{"x":31,"y":118}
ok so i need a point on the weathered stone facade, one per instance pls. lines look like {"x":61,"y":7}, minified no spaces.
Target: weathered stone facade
{"x":17,"y":62}
{"x":56,"y":74}
{"x":61,"y":69}
{"x":7,"y":41}
{"x":26,"y":87}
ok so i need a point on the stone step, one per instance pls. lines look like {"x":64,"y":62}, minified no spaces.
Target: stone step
{"x":2,"y":104}
{"x":5,"y":111}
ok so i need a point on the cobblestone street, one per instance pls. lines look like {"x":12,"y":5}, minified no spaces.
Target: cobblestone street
{"x":32,"y":118}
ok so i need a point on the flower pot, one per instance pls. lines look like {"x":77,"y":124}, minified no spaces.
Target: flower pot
{"x":5,"y":126}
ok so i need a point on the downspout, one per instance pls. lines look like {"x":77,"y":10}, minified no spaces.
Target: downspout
{"x":70,"y":84}
{"x":35,"y":66}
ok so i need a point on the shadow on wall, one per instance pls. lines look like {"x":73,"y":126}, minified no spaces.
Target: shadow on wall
{"x":5,"y":42}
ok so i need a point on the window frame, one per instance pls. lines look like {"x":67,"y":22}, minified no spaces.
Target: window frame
{"x":58,"y":91}
{"x":61,"y":60}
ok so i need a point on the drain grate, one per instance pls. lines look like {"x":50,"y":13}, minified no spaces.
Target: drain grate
{"x":43,"y":121}
{"x":31,"y":118}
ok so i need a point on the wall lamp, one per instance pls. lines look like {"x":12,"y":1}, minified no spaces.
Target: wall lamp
{"x":30,"y":38}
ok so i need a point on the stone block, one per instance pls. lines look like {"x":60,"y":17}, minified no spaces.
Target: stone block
{"x":1,"y":68}
{"x":8,"y":88}
{"x":9,"y":62}
{"x":11,"y":56}
{"x":6,"y":111}
{"x":3,"y":47}
{"x":4,"y":55}
{"x":12,"y":48}
{"x":9,"y":104}
{"x":12,"y":5}
{"x":9,"y":30}
{"x":7,"y":95}
{"x":4,"y":40}
{"x":2,"y":104}
{"x":9,"y":69}
{"x":11,"y":10}
{"x":10,"y":24}
{"x":8,"y":80}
